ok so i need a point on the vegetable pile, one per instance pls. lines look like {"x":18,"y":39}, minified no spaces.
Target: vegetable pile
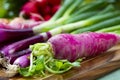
{"x":54,"y":55}
{"x":77,"y":30}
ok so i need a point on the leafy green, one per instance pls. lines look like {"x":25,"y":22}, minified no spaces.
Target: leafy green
{"x":43,"y":64}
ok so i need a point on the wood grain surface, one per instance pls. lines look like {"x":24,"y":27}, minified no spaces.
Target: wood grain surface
{"x":90,"y":69}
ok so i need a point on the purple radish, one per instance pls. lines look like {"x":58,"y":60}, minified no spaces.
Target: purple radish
{"x":74,"y":46}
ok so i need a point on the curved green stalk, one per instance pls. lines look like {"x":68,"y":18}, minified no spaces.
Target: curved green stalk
{"x":31,"y":62}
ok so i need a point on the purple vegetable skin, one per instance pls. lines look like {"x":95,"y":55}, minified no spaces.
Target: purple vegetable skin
{"x":22,"y":61}
{"x":10,"y":34}
{"x":74,"y":46}
{"x":14,"y":56}
{"x":13,"y":62}
{"x":24,"y":44}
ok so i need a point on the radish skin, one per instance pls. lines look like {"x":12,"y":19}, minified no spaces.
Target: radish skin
{"x":74,"y":46}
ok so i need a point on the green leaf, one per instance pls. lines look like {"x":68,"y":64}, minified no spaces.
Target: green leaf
{"x":39,"y":62}
{"x":65,"y":66}
{"x":24,"y":72}
{"x":59,"y":64}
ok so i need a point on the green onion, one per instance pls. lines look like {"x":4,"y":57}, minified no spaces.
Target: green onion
{"x":110,"y":29}
{"x":101,"y":25}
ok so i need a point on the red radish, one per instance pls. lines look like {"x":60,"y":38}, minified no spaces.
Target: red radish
{"x":74,"y":46}
{"x":47,"y":17}
{"x":46,"y":10}
{"x":55,"y":8}
{"x":41,"y":2}
{"x":29,"y":7}
{"x":40,"y":7}
{"x":54,"y":2}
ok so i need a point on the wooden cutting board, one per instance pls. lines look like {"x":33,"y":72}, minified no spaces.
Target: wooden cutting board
{"x":90,"y":69}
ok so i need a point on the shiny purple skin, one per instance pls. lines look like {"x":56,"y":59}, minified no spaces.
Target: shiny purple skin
{"x":74,"y":46}
{"x":23,"y":61}
{"x":24,"y":44}
{"x":7,"y":35}
{"x":14,"y":56}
